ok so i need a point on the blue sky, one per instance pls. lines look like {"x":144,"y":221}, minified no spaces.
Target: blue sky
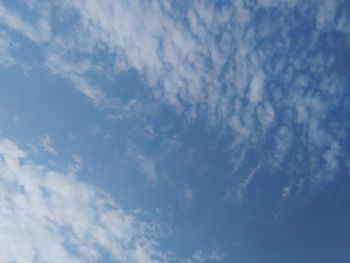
{"x":175,"y":131}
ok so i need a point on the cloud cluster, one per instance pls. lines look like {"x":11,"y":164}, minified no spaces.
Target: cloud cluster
{"x":49,"y":216}
{"x":265,"y":70}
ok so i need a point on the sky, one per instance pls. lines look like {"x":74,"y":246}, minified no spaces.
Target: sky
{"x":175,"y":131}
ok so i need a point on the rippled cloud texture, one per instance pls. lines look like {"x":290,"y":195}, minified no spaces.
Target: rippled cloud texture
{"x":265,"y":69}
{"x":272,"y":75}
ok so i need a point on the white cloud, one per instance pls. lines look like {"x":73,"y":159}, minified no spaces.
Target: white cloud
{"x":75,"y":73}
{"x":284,"y":140}
{"x":257,"y":87}
{"x":330,"y":165}
{"x":326,"y":13}
{"x":286,"y":191}
{"x":147,"y":167}
{"x":46,"y":144}
{"x":77,"y":165}
{"x":48,"y":216}
{"x":199,"y":256}
{"x":6,"y":45}
{"x":266,"y":115}
{"x":209,"y":256}
{"x":181,"y":69}
{"x":241,"y":188}
{"x":300,"y":185}
{"x":331,"y":155}
{"x":188,"y":194}
{"x":51,"y":216}
{"x":37,"y":31}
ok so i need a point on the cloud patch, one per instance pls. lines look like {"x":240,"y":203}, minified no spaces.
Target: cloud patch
{"x":47,"y":144}
{"x":47,"y":215}
{"x":147,"y":168}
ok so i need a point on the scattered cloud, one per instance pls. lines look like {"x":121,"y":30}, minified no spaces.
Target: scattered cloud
{"x":300,"y":185}
{"x":331,"y":164}
{"x":240,"y":189}
{"x":75,"y":73}
{"x":199,"y":256}
{"x":51,"y":216}
{"x":6,"y":58}
{"x":38,"y":31}
{"x":47,"y":144}
{"x":286,"y":191}
{"x":147,"y":167}
{"x":188,"y":194}
{"x":284,"y":140}
{"x":242,"y":186}
{"x":76,"y":166}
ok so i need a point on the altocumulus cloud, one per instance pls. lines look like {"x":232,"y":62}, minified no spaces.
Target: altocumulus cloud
{"x":268,"y":71}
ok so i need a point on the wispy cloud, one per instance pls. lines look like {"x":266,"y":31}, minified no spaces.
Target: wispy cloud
{"x":47,"y":144}
{"x":6,"y":45}
{"x":147,"y":167}
{"x":75,"y":73}
{"x":51,"y":216}
{"x":240,"y":192}
{"x":188,"y":194}
{"x":199,"y":256}
{"x":37,"y":31}
{"x":286,"y":191}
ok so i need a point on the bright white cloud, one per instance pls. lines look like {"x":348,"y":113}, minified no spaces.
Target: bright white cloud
{"x":49,"y":216}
